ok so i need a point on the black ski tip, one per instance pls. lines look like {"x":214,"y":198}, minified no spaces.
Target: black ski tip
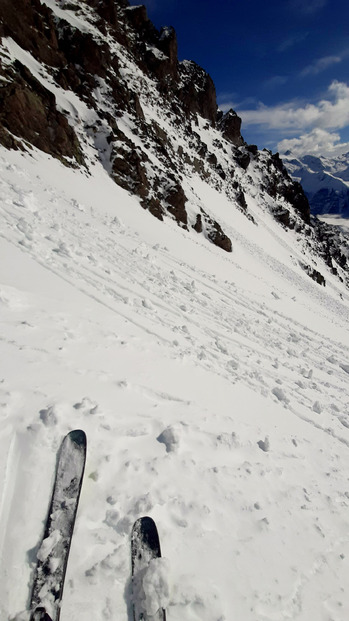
{"x":78,"y":436}
{"x":40,"y":614}
{"x":145,"y":529}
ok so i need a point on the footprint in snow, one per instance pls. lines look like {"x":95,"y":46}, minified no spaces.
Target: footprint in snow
{"x":121,"y":525}
{"x":48,"y":416}
{"x":87,"y":407}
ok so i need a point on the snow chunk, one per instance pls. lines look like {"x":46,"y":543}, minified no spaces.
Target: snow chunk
{"x":170,"y":437}
{"x":317,"y":407}
{"x":48,"y":545}
{"x":280,"y":394}
{"x":264,"y":445}
{"x":153,"y":592}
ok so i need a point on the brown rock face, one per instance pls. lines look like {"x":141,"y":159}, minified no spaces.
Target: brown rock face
{"x":28,"y":111}
{"x":197,"y":93}
{"x":214,"y":231}
{"x":30,"y":24}
{"x":128,"y":169}
{"x":168,"y":44}
{"x":157,"y":51}
{"x":107,"y":9}
{"x":230,"y":126}
{"x":280,"y":183}
{"x":81,"y":49}
{"x":219,"y":238}
{"x":176,"y":199}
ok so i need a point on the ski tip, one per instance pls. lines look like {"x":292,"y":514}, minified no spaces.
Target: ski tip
{"x":144,"y":524}
{"x":78,"y":436}
{"x":145,"y":530}
{"x":40,"y":614}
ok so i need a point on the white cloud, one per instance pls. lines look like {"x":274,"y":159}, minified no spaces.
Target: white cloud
{"x":321,"y":64}
{"x":330,"y":113}
{"x":317,"y":142}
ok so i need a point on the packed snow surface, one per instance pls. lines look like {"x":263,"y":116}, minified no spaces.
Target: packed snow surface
{"x":213,"y":389}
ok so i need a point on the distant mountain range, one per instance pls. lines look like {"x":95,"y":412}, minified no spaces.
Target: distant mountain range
{"x":324,"y":180}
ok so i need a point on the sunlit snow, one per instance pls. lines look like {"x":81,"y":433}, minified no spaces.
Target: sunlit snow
{"x":213,"y":390}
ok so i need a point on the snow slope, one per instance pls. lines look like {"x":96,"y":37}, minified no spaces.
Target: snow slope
{"x":213,"y":389}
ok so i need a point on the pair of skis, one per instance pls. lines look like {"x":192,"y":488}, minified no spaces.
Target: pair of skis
{"x":52,"y":557}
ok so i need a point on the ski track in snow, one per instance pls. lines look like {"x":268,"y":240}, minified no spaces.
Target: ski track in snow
{"x":212,"y":396}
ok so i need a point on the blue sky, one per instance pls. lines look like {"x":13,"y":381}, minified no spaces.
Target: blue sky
{"x":283,"y":65}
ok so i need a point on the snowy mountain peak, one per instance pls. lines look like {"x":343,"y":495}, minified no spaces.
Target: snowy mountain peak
{"x":325,"y":181}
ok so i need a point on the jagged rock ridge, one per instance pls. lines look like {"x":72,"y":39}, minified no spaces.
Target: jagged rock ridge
{"x":153,"y":121}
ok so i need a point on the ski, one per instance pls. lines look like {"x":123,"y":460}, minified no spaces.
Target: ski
{"x":52,"y":556}
{"x":145,"y":546}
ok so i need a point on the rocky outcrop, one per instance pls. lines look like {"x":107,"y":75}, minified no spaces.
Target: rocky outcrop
{"x":128,"y":169}
{"x":175,"y":200}
{"x":31,"y":25}
{"x":213,"y":231}
{"x":218,"y":237}
{"x":294,"y":194}
{"x":333,"y":247}
{"x":28,"y":111}
{"x":314,"y":274}
{"x":230,"y":126}
{"x":280,"y":185}
{"x":196,"y":91}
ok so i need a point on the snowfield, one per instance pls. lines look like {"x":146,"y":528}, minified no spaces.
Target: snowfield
{"x":213,"y":389}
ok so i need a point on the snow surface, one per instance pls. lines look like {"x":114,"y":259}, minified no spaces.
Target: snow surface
{"x":213,"y":390}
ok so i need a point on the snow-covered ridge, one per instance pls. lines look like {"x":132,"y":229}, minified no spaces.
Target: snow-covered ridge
{"x":100,"y":83}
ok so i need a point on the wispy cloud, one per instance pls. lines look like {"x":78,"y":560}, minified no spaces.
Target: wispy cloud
{"x":317,"y":142}
{"x":307,"y":7}
{"x":321,"y":64}
{"x":292,"y":41}
{"x":229,"y":100}
{"x":329,"y":113}
{"x":226,"y":97}
{"x":275,"y":81}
